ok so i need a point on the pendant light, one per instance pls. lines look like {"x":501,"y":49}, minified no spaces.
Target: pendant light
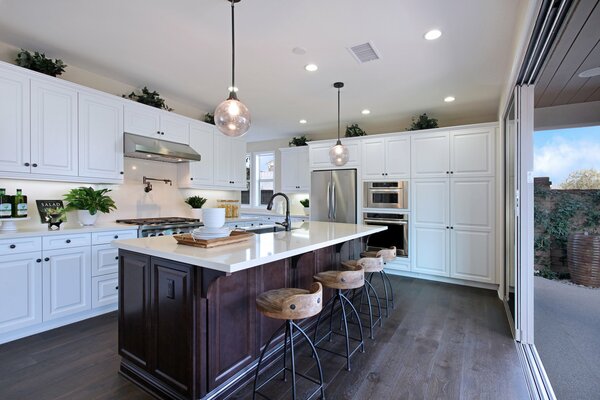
{"x":338,"y":154}
{"x":232,"y":117}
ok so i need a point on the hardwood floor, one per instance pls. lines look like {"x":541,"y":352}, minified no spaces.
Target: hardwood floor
{"x":440,"y":342}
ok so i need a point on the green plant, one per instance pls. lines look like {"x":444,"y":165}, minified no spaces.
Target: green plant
{"x":87,"y":198}
{"x":299,"y":141}
{"x":149,"y":98}
{"x":195,"y":201}
{"x":354,"y":130}
{"x":423,"y":122}
{"x":209,"y":118}
{"x":38,"y":62}
{"x":546,"y":273}
{"x":305,"y":203}
{"x":55,"y":214}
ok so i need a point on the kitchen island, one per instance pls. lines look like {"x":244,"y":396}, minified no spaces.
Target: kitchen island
{"x":188,"y":325}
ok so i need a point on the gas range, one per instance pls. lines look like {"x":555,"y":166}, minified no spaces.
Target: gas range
{"x":163,"y":226}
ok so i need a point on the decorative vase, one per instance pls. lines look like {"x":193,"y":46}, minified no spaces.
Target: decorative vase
{"x":583,"y":254}
{"x":197,"y":213}
{"x":85,"y":218}
{"x":306,"y":210}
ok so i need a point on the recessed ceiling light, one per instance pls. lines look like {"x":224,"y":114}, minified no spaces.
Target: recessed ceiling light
{"x":449,"y":99}
{"x":366,"y":112}
{"x":311,"y":67}
{"x":232,"y":88}
{"x":590,"y":72}
{"x":433,"y":34}
{"x":303,"y":121}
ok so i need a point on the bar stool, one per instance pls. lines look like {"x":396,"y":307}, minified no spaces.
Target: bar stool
{"x":370,"y":265}
{"x":290,"y":304}
{"x":353,"y":278}
{"x":387,"y":255}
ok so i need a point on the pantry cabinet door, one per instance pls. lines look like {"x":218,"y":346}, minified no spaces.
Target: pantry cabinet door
{"x":472,"y":152}
{"x":53,"y":129}
{"x":14,"y":122}
{"x":397,"y":157}
{"x":430,"y":155}
{"x":100,"y":137}
{"x":373,"y":159}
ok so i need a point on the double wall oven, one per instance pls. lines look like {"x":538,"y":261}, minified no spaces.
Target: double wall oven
{"x":393,"y":197}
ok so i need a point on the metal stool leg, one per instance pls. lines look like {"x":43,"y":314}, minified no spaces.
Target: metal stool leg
{"x":285,"y":344}
{"x":379,"y":315}
{"x":362,"y":341}
{"x":291,"y":330}
{"x":387,"y":278}
{"x":262,"y":355}
{"x":316,"y":356}
{"x":345,"y":332}
{"x":387,"y":302}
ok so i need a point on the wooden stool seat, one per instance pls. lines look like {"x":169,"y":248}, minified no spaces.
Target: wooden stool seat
{"x":386,"y":254}
{"x":352,"y":278}
{"x":369,"y":264}
{"x":291,"y":303}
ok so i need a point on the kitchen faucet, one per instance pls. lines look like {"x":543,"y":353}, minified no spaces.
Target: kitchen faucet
{"x":287,"y":224}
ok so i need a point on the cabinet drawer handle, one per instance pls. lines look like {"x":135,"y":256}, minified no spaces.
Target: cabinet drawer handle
{"x":34,"y":165}
{"x":116,"y":236}
{"x":68,"y":240}
{"x":27,"y":164}
{"x":46,"y":259}
{"x":12,"y":246}
{"x":39,"y":260}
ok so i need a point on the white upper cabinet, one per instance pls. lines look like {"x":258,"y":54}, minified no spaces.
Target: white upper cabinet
{"x":461,"y":153}
{"x":295,"y":172}
{"x":238,"y":163}
{"x":385,"y":158}
{"x":472,"y":152}
{"x":100,"y":137}
{"x":230,"y":162}
{"x":152,"y":122}
{"x":430,"y":155}
{"x":14,"y":122}
{"x":319,"y":154}
{"x":199,"y":173}
{"x":53,"y":129}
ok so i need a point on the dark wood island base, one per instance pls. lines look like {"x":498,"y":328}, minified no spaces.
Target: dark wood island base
{"x":188,"y":332}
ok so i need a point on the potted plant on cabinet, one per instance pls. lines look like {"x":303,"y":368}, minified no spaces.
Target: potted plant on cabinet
{"x":306,"y":204}
{"x":196,"y":202}
{"x":88,"y":202}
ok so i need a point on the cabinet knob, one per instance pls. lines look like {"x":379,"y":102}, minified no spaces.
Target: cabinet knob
{"x":451,"y":172}
{"x":158,"y":132}
{"x":47,"y":259}
{"x":39,"y":260}
{"x":117,"y":257}
{"x":191,"y":179}
{"x":68,"y":240}
{"x":34,"y":165}
{"x":451,"y":227}
{"x":447,"y":227}
{"x":12,"y":246}
{"x":162,"y":133}
{"x":447,"y":172}
{"x":116,"y":236}
{"x":27,"y":164}
{"x":116,"y":288}
{"x":121,"y":172}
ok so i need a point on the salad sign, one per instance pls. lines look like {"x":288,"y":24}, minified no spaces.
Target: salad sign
{"x":52,"y":212}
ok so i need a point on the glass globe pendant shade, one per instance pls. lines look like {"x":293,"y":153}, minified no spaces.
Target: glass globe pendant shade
{"x":338,"y":154}
{"x":232,"y":117}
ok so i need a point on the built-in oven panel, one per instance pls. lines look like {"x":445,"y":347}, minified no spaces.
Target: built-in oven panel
{"x":386,"y":194}
{"x":395,"y":236}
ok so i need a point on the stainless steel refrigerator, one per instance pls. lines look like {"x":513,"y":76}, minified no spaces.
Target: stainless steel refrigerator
{"x":333,"y":196}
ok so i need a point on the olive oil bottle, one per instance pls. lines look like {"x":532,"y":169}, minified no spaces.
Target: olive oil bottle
{"x":5,"y":204}
{"x":19,"y":208}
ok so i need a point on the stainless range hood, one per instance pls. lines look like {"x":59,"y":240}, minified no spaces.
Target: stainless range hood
{"x":136,"y":146}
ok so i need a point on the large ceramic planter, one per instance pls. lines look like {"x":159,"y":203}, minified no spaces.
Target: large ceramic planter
{"x":583,"y":254}
{"x":85,"y":218}
{"x":197,"y":213}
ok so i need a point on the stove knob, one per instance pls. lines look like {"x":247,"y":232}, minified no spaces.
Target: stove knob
{"x":161,"y":234}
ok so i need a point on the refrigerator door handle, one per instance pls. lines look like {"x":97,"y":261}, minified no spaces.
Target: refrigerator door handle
{"x":333,"y":207}
{"x":328,"y":200}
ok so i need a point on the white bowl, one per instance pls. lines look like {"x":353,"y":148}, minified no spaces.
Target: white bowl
{"x":213,"y":217}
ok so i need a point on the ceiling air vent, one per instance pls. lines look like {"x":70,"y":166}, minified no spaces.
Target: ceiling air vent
{"x":364,"y":52}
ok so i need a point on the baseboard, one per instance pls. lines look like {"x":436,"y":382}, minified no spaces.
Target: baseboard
{"x":46,"y":326}
{"x":535,"y":375}
{"x":408,"y":274}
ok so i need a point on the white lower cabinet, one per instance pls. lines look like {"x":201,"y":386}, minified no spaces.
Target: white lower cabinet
{"x":105,"y":260}
{"x":20,"y":290}
{"x":453,"y":228}
{"x":105,"y":290}
{"x":66,"y":282}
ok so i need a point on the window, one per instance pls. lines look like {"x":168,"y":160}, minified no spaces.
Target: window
{"x":260,"y":176}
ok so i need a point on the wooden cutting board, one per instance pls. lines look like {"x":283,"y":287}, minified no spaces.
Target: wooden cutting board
{"x":234,"y":237}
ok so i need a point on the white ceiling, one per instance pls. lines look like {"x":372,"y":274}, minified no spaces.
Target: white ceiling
{"x":182,"y":49}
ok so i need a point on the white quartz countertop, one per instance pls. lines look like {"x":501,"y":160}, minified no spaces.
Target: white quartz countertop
{"x":42,"y":230}
{"x":260,"y":249}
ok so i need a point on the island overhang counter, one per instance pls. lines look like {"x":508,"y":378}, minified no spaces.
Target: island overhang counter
{"x":188,"y":325}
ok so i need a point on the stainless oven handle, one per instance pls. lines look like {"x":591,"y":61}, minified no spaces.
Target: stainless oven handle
{"x":385,"y":222}
{"x":384,"y":190}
